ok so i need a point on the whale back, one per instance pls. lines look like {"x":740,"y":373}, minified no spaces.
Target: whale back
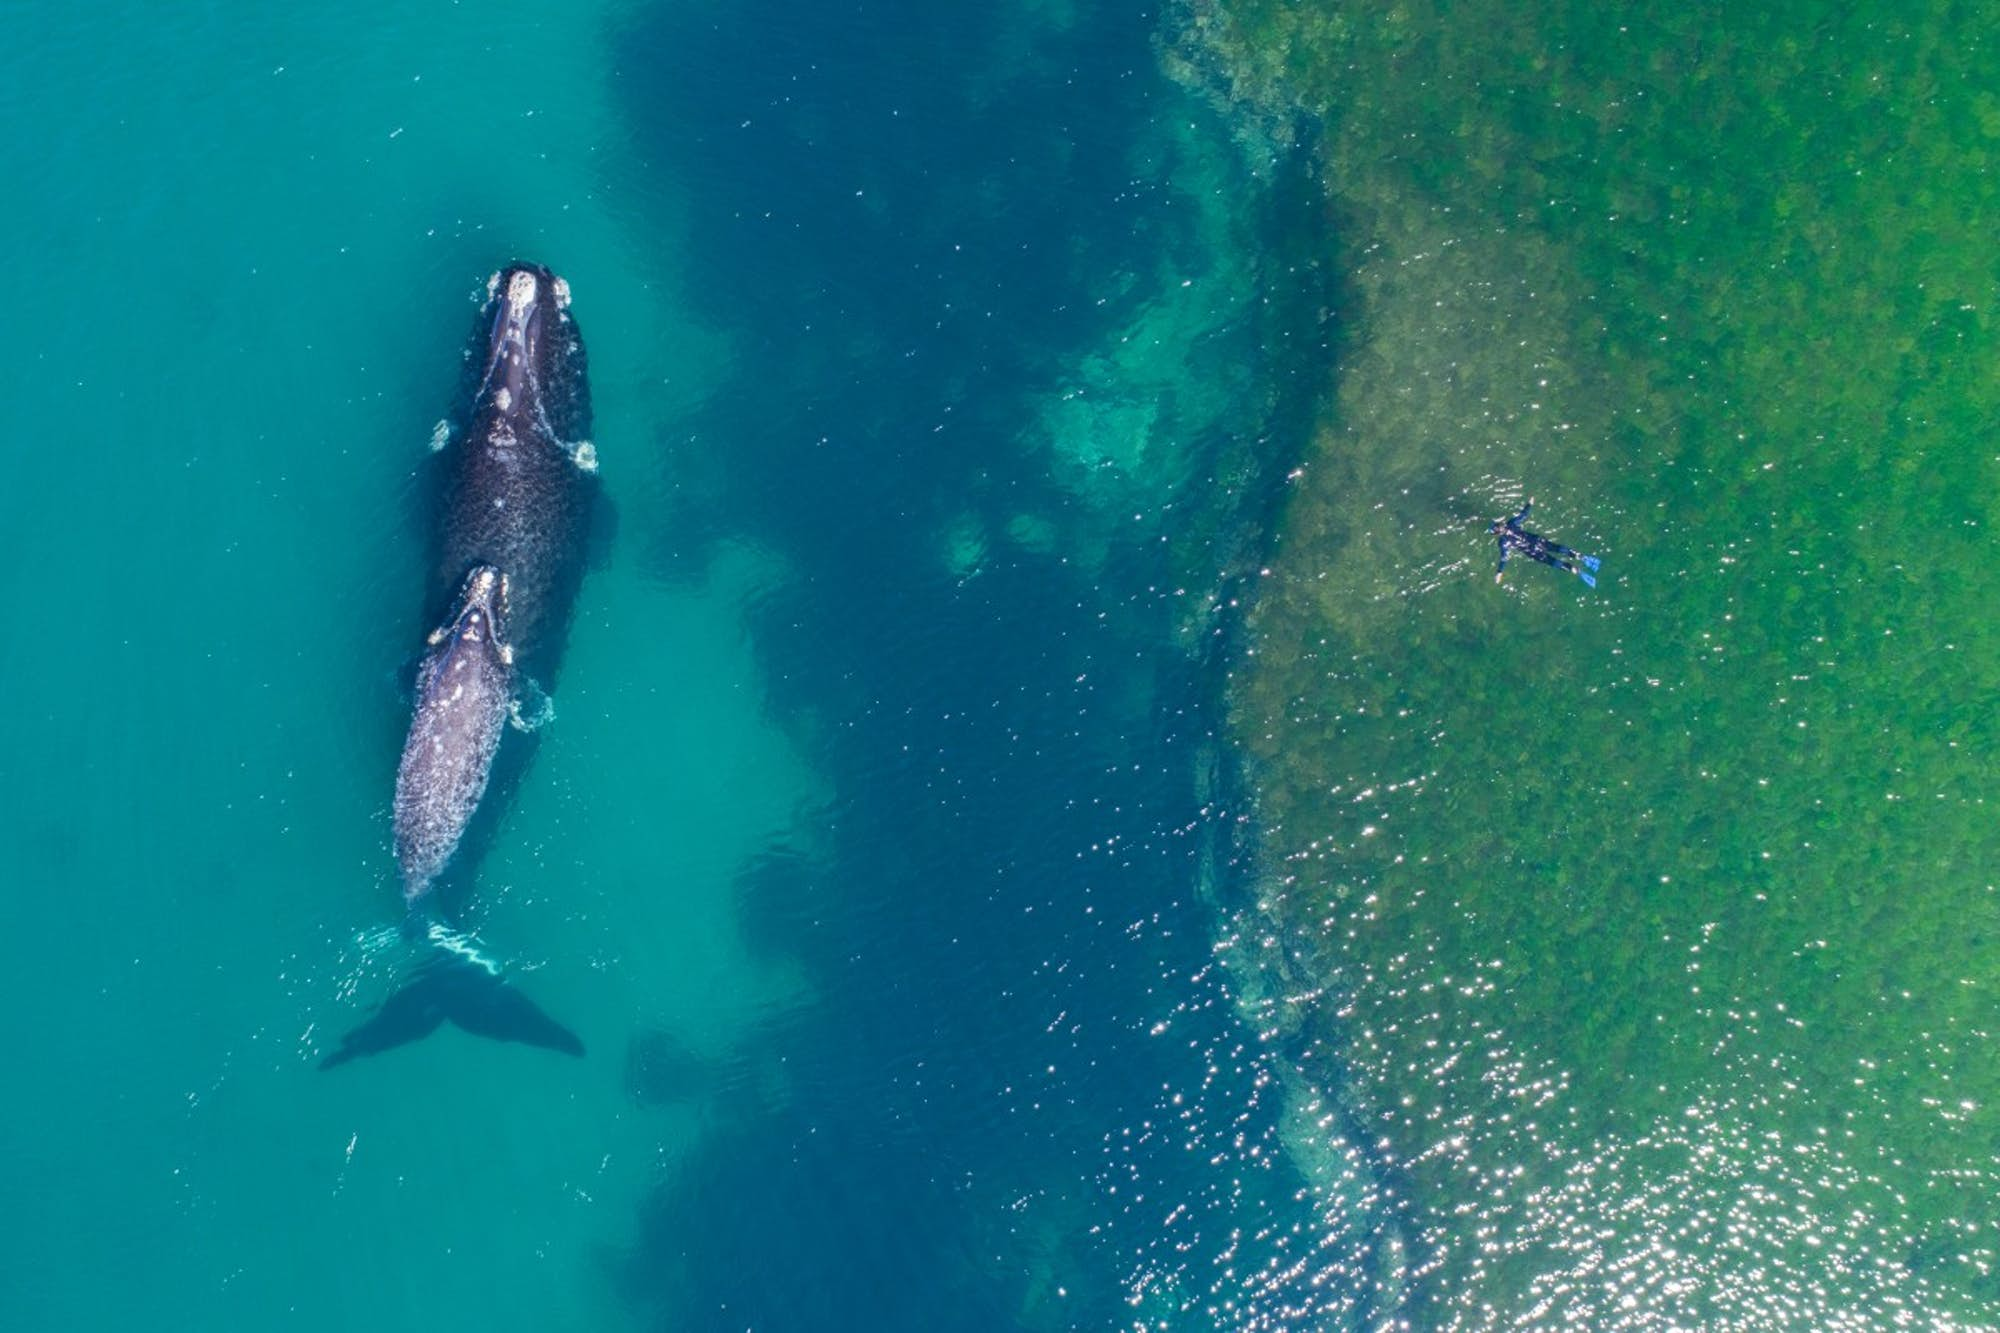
{"x":464,"y":689}
{"x":519,"y":481}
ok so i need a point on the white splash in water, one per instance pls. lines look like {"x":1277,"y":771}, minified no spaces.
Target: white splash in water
{"x":464,"y":945}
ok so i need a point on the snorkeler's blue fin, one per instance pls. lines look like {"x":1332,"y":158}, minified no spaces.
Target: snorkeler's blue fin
{"x":1589,"y":579}
{"x":1589,"y":561}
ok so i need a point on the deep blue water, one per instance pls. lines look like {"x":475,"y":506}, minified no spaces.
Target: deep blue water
{"x":907,"y":216}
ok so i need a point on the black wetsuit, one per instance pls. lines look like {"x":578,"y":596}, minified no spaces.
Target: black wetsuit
{"x":1514,"y":537}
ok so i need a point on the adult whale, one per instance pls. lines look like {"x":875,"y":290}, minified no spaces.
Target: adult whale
{"x":520,"y":477}
{"x":509,"y":541}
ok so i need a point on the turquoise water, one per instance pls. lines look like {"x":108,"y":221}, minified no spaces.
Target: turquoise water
{"x":864,"y":849}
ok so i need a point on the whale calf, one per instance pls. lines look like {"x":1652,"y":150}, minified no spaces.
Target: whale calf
{"x":465,"y":687}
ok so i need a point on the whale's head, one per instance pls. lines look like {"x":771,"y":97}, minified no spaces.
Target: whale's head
{"x":479,"y":614}
{"x":530,"y":355}
{"x":523,"y":302}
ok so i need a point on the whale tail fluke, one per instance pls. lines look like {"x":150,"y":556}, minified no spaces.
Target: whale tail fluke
{"x":455,"y":982}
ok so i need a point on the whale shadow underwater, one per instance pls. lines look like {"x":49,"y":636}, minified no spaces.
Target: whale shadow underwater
{"x":512,"y":495}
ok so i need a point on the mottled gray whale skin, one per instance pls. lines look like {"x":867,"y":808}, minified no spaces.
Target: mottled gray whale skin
{"x":520,"y":477}
{"x":465,"y":687}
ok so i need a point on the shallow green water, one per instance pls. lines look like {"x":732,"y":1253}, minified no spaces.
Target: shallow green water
{"x":1660,"y":919}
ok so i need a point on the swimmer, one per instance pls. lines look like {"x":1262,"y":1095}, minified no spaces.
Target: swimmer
{"x":1513,"y":537}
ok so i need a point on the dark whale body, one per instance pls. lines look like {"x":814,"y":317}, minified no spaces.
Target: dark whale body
{"x":520,"y":477}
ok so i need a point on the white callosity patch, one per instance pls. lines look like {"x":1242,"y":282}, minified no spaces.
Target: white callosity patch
{"x":561,"y":290}
{"x":504,"y":399}
{"x":521,"y":292}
